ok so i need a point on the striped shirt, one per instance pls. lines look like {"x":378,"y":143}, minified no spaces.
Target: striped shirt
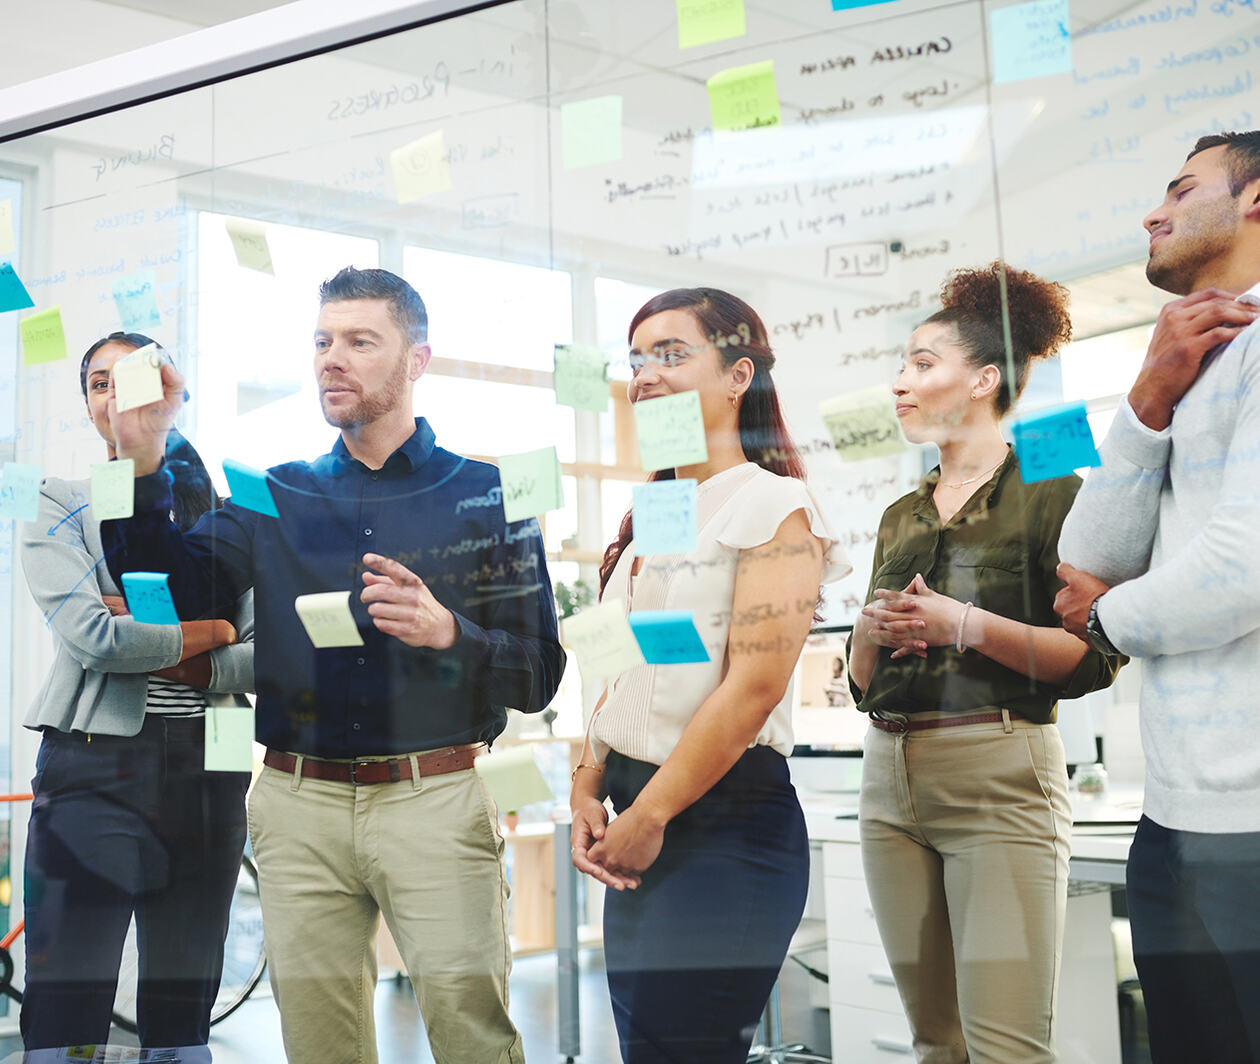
{"x":173,"y":699}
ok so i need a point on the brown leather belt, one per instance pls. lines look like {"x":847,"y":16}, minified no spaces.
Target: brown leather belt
{"x":433,"y":763}
{"x":898,"y":727}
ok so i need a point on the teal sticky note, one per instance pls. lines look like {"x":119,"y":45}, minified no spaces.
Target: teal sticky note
{"x":13,"y":293}
{"x":136,"y":300}
{"x":1052,"y":443}
{"x":249,"y":487}
{"x":664,"y":515}
{"x":670,"y":429}
{"x":591,"y":131}
{"x":19,"y":491}
{"x":229,"y":739}
{"x":849,"y":5}
{"x":667,"y":637}
{"x":531,"y":483}
{"x":1032,"y":40}
{"x":149,"y":598}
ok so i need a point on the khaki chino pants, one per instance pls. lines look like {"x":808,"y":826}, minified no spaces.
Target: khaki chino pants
{"x":426,"y":855}
{"x":966,"y":833}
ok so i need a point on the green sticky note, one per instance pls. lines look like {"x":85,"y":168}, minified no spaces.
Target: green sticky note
{"x":43,"y":339}
{"x":863,"y":424}
{"x":421,"y":168}
{"x":705,"y":21}
{"x":229,"y":739}
{"x":581,"y":378}
{"x":531,"y":483}
{"x":512,"y":777}
{"x":591,"y":131}
{"x":114,"y":490}
{"x":249,"y":241}
{"x":670,"y":431}
{"x":744,"y":97}
{"x":601,"y":638}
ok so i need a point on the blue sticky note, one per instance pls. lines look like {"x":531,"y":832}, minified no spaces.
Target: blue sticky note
{"x":249,"y":488}
{"x":136,"y":301}
{"x":149,"y":599}
{"x":664,"y":514}
{"x":13,"y":293}
{"x":848,"y":5}
{"x":19,"y":491}
{"x":1053,"y":443}
{"x":1031,"y":40}
{"x":667,"y":637}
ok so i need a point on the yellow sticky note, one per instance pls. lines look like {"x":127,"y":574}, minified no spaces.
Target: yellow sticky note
{"x":602,"y":639}
{"x":530,"y":483}
{"x":138,"y":378}
{"x":863,"y":424}
{"x":328,"y":620}
{"x":512,"y":777}
{"x":43,"y":339}
{"x":421,"y":168}
{"x":705,"y":21}
{"x":670,"y":431}
{"x":6,"y":227}
{"x":229,"y":739}
{"x":114,"y":490}
{"x":581,"y":377}
{"x":249,"y":239}
{"x":744,"y":97}
{"x":591,"y":131}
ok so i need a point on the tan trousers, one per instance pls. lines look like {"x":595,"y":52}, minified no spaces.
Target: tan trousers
{"x":424,"y":854}
{"x":966,"y":833}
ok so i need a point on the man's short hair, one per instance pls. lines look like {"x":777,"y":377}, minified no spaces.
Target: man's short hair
{"x":1242,"y":156}
{"x":405,"y":305}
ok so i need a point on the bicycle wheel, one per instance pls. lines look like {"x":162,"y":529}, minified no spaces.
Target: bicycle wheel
{"x":243,"y":957}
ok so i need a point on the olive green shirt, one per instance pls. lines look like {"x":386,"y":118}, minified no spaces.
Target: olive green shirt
{"x":999,"y":551}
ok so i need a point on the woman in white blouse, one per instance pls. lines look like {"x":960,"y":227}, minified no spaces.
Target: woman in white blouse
{"x":707,"y":856}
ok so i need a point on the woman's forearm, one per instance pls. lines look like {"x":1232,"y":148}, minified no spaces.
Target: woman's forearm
{"x":864,"y":655}
{"x":203,"y":636}
{"x":1047,"y":655}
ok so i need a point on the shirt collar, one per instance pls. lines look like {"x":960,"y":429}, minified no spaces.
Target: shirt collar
{"x":924,"y":506}
{"x":415,"y":451}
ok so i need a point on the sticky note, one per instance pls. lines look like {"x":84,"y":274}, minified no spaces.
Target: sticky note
{"x":13,"y":293}
{"x":137,"y":378}
{"x":531,"y":483}
{"x":601,"y":638}
{"x":705,"y":21}
{"x":1031,"y":40}
{"x":590,"y":131}
{"x":249,"y":240}
{"x":744,"y":97}
{"x":581,"y":378}
{"x":671,"y":431}
{"x":6,"y":227}
{"x":43,"y":339}
{"x":421,"y":168}
{"x":1052,"y":443}
{"x":327,"y":619}
{"x":664,"y":516}
{"x":136,"y":300}
{"x":512,"y":777}
{"x":667,"y":637}
{"x":248,"y":487}
{"x":846,"y":5}
{"x":19,"y":491}
{"x":114,"y":490}
{"x":863,"y":424}
{"x":149,"y":598}
{"x":229,"y":739}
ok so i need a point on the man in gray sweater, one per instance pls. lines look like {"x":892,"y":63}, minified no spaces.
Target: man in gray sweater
{"x":1156,"y":557}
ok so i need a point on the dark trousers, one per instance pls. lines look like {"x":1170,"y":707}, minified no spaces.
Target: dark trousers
{"x":1194,"y":908}
{"x":122,"y":826}
{"x":693,"y":953}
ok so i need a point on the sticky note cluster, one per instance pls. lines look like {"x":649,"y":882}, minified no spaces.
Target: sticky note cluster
{"x":664,"y":517}
{"x":513,"y":778}
{"x":19,"y":491}
{"x":229,"y":739}
{"x":863,"y":424}
{"x":43,"y":338}
{"x":137,"y":378}
{"x":149,"y":598}
{"x":1031,"y":40}
{"x":744,"y":97}
{"x":581,"y":377}
{"x":248,"y":487}
{"x":670,"y":429}
{"x":1053,"y":443}
{"x":531,"y":483}
{"x":667,"y":637}
{"x":601,"y":638}
{"x":114,"y":490}
{"x":327,"y":619}
{"x":421,"y":168}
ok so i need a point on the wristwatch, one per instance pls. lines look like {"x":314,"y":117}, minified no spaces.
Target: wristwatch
{"x":1094,"y":631}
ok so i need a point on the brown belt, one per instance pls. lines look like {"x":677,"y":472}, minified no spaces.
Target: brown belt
{"x":898,"y":727}
{"x":433,"y":763}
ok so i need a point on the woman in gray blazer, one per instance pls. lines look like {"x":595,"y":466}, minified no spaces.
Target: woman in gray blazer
{"x":126,"y":820}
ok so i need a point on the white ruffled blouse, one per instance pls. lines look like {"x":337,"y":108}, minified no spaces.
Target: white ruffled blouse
{"x":649,"y":706}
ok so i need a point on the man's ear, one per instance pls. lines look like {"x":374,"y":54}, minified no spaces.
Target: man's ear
{"x":1251,"y":197}
{"x":419,"y":356}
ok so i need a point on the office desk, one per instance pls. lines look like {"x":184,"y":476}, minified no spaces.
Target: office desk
{"x":867,"y":1022}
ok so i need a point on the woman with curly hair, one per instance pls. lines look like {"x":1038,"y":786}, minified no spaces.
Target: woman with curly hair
{"x":960,"y":661}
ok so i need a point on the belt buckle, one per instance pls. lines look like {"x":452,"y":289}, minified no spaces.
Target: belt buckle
{"x":354,"y":770}
{"x":898,"y":721}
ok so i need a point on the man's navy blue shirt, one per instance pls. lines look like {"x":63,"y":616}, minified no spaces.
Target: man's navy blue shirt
{"x":438,"y":514}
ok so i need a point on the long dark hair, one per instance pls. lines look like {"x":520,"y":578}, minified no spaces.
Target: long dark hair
{"x":738,"y":332}
{"x":192,"y":489}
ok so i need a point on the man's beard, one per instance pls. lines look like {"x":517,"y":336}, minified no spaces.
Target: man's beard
{"x":1200,"y":237}
{"x":370,"y":407}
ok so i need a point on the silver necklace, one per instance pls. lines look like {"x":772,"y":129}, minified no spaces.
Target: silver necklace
{"x":972,"y":480}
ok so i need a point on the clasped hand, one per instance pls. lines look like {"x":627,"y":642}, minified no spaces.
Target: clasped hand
{"x":909,"y":621}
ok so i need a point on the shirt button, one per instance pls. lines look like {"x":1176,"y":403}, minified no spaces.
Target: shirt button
{"x":367,"y":531}
{"x":356,"y":726}
{"x":376,"y":476}
{"x":362,"y":661}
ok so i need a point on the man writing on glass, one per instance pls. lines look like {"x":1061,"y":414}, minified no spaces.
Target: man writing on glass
{"x":368,"y":802}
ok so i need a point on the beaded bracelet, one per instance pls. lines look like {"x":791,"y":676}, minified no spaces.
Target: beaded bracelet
{"x":584,"y":764}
